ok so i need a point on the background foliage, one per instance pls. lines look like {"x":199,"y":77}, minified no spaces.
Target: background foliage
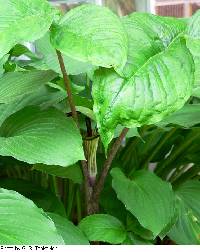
{"x":141,"y":72}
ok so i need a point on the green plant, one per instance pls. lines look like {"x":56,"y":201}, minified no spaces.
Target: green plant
{"x":100,"y":93}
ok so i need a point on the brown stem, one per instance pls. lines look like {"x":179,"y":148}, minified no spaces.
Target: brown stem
{"x":68,"y":87}
{"x":100,"y":183}
{"x":75,"y":117}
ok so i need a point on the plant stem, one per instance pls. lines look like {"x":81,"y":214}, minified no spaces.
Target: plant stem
{"x":68,"y":87}
{"x":100,"y":183}
{"x":75,"y":117}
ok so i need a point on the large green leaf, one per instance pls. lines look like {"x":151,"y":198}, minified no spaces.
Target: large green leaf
{"x":187,"y":116}
{"x":22,"y":21}
{"x":71,"y":234}
{"x":72,"y":172}
{"x":103,"y":227}
{"x":93,"y":34}
{"x":193,"y":43}
{"x":45,"y":96}
{"x":14,"y":85}
{"x":148,"y":35}
{"x":21,"y":222}
{"x":132,"y":225}
{"x":147,"y":197}
{"x":37,"y":136}
{"x":41,"y":197}
{"x":49,"y":57}
{"x":153,"y":92}
{"x":187,"y":228}
{"x":193,"y":30}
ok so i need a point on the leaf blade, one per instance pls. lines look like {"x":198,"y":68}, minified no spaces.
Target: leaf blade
{"x":103,"y":227}
{"x":18,"y":16}
{"x":71,"y":234}
{"x":36,"y":136}
{"x":92,"y":34}
{"x":24,"y":229}
{"x":138,"y":196}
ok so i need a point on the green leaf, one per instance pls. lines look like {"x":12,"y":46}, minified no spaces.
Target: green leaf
{"x":110,"y":204}
{"x":19,"y":50}
{"x":37,"y":136}
{"x":148,"y":35}
{"x":134,"y":226}
{"x":71,"y":172}
{"x":193,"y":30}
{"x":146,"y":196}
{"x":93,"y":34}
{"x":103,"y":227}
{"x":23,"y":21}
{"x":71,"y":234}
{"x":187,"y":228}
{"x":131,"y":133}
{"x":45,"y":96}
{"x":15,"y":85}
{"x":49,"y":57}
{"x":22,"y":223}
{"x":41,"y":197}
{"x":187,"y":116}
{"x":189,"y":192}
{"x":2,"y":62}
{"x":133,"y":239}
{"x":153,"y":92}
{"x":87,"y":112}
{"x":193,"y":43}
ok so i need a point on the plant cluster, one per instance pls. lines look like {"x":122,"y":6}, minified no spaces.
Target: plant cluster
{"x":99,"y":127}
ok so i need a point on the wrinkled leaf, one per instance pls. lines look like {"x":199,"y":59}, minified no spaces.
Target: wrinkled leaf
{"x":153,"y":92}
{"x":148,"y":35}
{"x":193,"y":43}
